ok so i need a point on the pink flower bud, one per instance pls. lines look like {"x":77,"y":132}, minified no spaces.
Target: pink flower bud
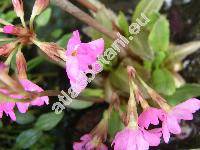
{"x":6,"y":49}
{"x":14,"y":30}
{"x":18,"y":7}
{"x":21,"y":65}
{"x":39,"y":6}
{"x":8,"y":29}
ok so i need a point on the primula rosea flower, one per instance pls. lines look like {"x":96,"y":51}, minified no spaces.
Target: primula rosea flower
{"x":87,"y":144}
{"x":8,"y":107}
{"x":79,"y":57}
{"x":171,"y":118}
{"x":136,"y":139}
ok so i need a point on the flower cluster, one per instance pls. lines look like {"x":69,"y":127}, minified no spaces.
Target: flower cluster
{"x":18,"y":90}
{"x":137,"y":134}
{"x":80,"y":59}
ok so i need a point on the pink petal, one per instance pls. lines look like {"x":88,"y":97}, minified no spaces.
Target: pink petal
{"x":12,"y":115}
{"x":97,"y":47}
{"x":74,"y":41}
{"x":23,"y":107}
{"x":173,"y":125}
{"x":30,"y":86}
{"x":149,"y":116}
{"x":165,"y":131}
{"x":191,"y":105}
{"x":80,"y":84}
{"x":152,"y":138}
{"x":142,"y":144}
{"x":180,"y":113}
{"x":72,"y":68}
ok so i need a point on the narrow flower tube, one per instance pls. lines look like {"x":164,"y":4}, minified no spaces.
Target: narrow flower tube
{"x":38,"y":7}
{"x":18,"y":7}
{"x":19,"y":10}
{"x":52,"y":50}
{"x":6,"y":49}
{"x":21,"y":65}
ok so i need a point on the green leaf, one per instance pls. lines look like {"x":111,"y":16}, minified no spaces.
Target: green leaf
{"x":123,"y":23}
{"x":153,"y":17}
{"x":56,"y":33}
{"x":163,"y":81}
{"x":147,"y":7}
{"x":98,"y":93}
{"x":24,"y":118}
{"x":34,"y":62}
{"x":44,"y":17}
{"x":183,"y":93}
{"x":119,"y":79}
{"x":159,"y":36}
{"x":28,"y":138}
{"x":48,"y":121}
{"x":115,"y":124}
{"x":80,"y":104}
{"x":63,"y":40}
{"x":140,"y":46}
{"x":10,"y":16}
{"x":159,"y":58}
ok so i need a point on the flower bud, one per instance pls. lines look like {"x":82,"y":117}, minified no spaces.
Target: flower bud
{"x":39,"y":6}
{"x":18,"y":7}
{"x":53,"y":50}
{"x":19,"y":31}
{"x":6,"y":49}
{"x":21,"y":65}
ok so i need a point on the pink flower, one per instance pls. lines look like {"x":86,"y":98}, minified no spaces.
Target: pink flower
{"x":8,"y":107}
{"x":136,"y":139}
{"x":150,"y":116}
{"x":79,"y":57}
{"x":183,"y":111}
{"x":170,"y":119}
{"x":87,"y":144}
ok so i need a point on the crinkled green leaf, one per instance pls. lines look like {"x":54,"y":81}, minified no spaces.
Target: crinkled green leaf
{"x":140,"y":46}
{"x":48,"y":121}
{"x":159,"y":36}
{"x":147,"y":7}
{"x":183,"y":93}
{"x":28,"y":138}
{"x":163,"y":81}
